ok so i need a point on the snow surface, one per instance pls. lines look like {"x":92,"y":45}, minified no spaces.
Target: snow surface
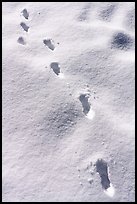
{"x":60,"y":121}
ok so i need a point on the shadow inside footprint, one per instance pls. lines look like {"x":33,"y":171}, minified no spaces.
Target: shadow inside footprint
{"x":49,"y":44}
{"x":56,"y":67}
{"x":85,"y":104}
{"x":24,"y":26}
{"x":102,"y":169}
{"x":122,"y":41}
{"x":21,"y":41}
{"x":25,"y":13}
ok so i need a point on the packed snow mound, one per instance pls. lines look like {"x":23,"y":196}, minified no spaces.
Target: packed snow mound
{"x":68,"y":101}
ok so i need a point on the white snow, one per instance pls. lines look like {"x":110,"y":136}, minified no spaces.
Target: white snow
{"x":110,"y":191}
{"x":90,"y":114}
{"x":61,"y":75}
{"x":68,"y":99}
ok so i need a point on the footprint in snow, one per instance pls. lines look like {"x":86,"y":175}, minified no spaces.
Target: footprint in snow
{"x":87,"y":109}
{"x":102,"y":169}
{"x":21,"y":41}
{"x":121,"y":41}
{"x":107,"y":13}
{"x":49,"y":44}
{"x":55,"y":66}
{"x":83,"y":16}
{"x":24,"y":26}
{"x":25,"y":13}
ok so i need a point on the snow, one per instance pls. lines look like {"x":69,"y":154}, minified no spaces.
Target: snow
{"x":68,"y":101}
{"x":110,"y":191}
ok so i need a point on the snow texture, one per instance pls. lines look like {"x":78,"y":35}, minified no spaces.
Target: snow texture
{"x":68,"y":103}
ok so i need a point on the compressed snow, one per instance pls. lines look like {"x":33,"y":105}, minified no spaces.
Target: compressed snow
{"x":68,"y":101}
{"x":110,"y":191}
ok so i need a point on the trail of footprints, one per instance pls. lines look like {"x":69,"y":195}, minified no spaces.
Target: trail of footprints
{"x":25,"y":27}
{"x":121,"y":41}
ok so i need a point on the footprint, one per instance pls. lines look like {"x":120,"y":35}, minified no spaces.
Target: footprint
{"x":24,"y":26}
{"x":102,"y":169}
{"x":56,"y":69}
{"x":21,"y":41}
{"x":87,"y":109}
{"x":107,"y":13}
{"x":130,"y":20}
{"x":85,"y":104}
{"x":25,"y":13}
{"x":49,"y":43}
{"x":122,"y":41}
{"x":84,"y":13}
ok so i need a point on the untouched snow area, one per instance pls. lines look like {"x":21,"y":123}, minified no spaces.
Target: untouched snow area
{"x":68,"y":101}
